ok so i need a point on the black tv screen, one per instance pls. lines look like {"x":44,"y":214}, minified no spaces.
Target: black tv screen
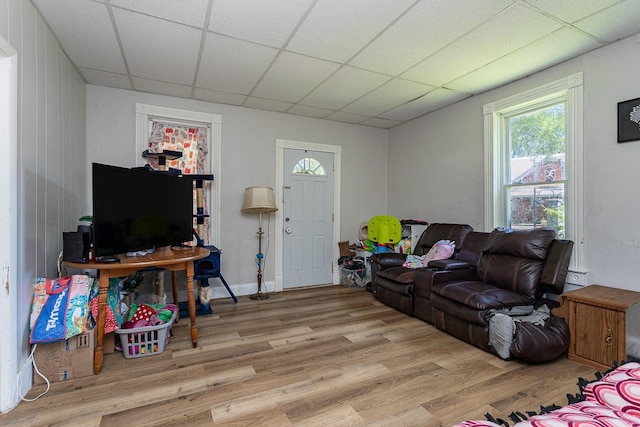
{"x":136,"y":209}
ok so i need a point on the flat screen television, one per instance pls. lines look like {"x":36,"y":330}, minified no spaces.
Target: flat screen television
{"x":136,"y":209}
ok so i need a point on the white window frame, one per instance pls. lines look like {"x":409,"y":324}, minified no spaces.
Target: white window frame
{"x":146,"y":113}
{"x":570,"y":90}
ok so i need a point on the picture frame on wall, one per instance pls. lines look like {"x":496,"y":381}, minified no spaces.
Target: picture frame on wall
{"x":629,"y":120}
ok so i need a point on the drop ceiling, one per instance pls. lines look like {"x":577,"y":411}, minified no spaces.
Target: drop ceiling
{"x":372,"y":62}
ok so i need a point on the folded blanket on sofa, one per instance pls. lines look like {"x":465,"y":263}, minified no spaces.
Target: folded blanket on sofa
{"x":442,"y":249}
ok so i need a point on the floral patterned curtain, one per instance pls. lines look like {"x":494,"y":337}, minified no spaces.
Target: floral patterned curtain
{"x":192,"y":142}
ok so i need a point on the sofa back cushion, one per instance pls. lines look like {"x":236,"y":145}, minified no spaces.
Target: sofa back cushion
{"x":513,"y":259}
{"x":436,"y":232}
{"x":556,"y":266}
{"x":471,"y":249}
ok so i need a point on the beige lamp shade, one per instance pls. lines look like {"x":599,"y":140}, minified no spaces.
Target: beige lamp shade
{"x":259,"y":200}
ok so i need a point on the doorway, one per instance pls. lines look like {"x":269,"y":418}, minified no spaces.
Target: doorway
{"x":9,"y":247}
{"x":314,"y":265}
{"x":308,"y":218}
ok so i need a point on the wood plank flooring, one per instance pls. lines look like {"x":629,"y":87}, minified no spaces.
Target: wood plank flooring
{"x":323,"y":356}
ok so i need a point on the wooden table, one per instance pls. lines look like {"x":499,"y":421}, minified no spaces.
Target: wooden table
{"x":171,"y":259}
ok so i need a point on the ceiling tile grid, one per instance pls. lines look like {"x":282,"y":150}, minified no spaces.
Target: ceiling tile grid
{"x":85,"y":31}
{"x":343,"y":87}
{"x":338,"y":33}
{"x":426,"y":28}
{"x":372,"y":62}
{"x":232,"y":65}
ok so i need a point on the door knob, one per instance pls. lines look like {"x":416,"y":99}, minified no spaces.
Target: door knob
{"x":287,"y":230}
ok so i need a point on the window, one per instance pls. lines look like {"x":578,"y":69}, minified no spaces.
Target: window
{"x":147,"y":115}
{"x":535,"y":189}
{"x":309,"y":166}
{"x":533,"y":162}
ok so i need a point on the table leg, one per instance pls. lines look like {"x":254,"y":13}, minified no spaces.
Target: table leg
{"x":192,"y":304}
{"x":102,"y":316}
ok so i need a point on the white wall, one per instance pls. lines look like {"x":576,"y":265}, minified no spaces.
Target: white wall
{"x":51,"y":164}
{"x":441,"y":159}
{"x":248,"y":159}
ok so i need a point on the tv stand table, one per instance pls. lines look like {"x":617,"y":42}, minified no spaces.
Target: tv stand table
{"x":172,"y":259}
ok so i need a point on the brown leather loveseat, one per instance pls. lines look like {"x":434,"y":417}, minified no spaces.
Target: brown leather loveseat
{"x":490,"y":293}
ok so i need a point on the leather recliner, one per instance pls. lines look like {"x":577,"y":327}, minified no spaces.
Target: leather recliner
{"x":395,"y":285}
{"x":516,"y":269}
{"x":505,"y":271}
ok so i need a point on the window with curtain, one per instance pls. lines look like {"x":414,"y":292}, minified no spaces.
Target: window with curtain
{"x":191,"y":141}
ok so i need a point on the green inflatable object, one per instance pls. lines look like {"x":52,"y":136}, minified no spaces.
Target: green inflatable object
{"x":385,"y":229}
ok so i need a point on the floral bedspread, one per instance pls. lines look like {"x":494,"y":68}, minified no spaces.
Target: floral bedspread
{"x":612,"y":401}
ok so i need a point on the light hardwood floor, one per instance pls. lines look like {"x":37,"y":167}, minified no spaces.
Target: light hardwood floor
{"x":324,"y":356}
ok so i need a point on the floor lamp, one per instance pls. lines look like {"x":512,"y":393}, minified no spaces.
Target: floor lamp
{"x":259,"y":200}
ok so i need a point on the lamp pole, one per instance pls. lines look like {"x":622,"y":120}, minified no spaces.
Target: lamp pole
{"x":259,"y":256}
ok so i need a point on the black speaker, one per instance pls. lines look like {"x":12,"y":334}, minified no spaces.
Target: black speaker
{"x":76,"y":245}
{"x":72,"y":246}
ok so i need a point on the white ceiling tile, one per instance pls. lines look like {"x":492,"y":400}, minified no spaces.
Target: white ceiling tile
{"x":188,"y":12}
{"x":219,"y":97}
{"x":534,"y":57}
{"x":103,"y":78}
{"x":292,"y":76}
{"x":435,"y":46}
{"x":266,"y":104}
{"x":341,"y":116}
{"x":268,"y":22}
{"x":428,"y":27}
{"x":162,"y":88}
{"x":84,"y":29}
{"x":387,"y":96}
{"x":483,"y":45}
{"x":381,"y":123}
{"x":232,"y":65}
{"x":570,"y":11}
{"x":430,"y":102}
{"x":303,"y":110}
{"x":158,"y":49}
{"x":343,"y":87}
{"x":338,"y":33}
{"x":617,"y":22}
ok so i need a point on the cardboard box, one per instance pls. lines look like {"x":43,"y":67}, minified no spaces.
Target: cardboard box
{"x":108,"y":343}
{"x":64,"y":360}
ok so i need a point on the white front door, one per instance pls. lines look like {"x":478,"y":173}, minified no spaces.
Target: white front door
{"x":307,"y":218}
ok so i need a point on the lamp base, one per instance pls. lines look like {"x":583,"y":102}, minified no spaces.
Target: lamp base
{"x":259,"y":295}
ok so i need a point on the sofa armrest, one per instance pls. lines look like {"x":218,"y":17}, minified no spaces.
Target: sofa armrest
{"x":449,"y":264}
{"x":389,"y":259}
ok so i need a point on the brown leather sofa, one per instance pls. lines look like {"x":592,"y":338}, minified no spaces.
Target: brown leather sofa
{"x":491,"y":274}
{"x":396,"y":285}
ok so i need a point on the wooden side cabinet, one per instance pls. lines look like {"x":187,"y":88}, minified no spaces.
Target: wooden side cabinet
{"x":603,"y":323}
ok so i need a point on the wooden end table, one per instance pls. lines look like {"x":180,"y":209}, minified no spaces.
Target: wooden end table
{"x":600,"y":323}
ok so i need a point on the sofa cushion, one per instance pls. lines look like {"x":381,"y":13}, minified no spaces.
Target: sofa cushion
{"x":401,"y":289}
{"x":472,"y":247}
{"x":480,"y":296}
{"x":540,"y":343}
{"x":458,"y":311}
{"x":398,"y":274}
{"x":436,"y":232}
{"x":531,"y":243}
{"x":516,"y":274}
